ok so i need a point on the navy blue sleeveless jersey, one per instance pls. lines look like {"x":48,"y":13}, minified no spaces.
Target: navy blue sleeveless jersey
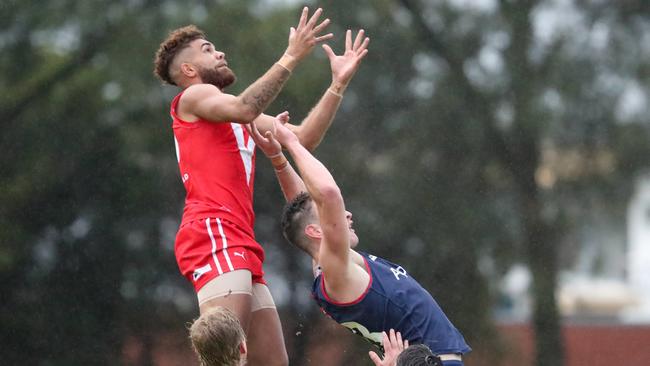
{"x":393,"y":300}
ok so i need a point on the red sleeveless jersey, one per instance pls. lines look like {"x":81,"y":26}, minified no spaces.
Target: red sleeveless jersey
{"x":217,"y":167}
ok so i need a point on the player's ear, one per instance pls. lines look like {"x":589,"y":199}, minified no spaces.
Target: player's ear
{"x":188,"y":70}
{"x":313,"y":231}
{"x":243,"y":349}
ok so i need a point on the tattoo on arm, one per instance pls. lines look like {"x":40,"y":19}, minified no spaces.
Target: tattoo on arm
{"x":259,"y":95}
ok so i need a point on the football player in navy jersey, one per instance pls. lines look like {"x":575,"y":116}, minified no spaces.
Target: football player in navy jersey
{"x":367,"y":294}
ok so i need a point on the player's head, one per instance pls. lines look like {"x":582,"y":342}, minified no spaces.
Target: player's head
{"x":418,"y":355}
{"x":186,"y":57}
{"x":218,"y":339}
{"x":301,"y":224}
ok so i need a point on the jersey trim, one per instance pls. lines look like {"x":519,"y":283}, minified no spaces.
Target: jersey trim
{"x":181,"y":122}
{"x":353,"y":302}
{"x":175,"y":116}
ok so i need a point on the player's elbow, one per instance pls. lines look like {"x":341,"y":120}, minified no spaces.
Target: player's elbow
{"x":245,"y":112}
{"x":248,"y":115}
{"x":309,"y":142}
{"x":330,"y":193}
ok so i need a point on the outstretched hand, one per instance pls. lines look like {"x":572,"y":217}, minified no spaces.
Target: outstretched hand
{"x":304,"y":37}
{"x":282,"y":134}
{"x":393,"y":346}
{"x":267,"y":143}
{"x":347,"y":64}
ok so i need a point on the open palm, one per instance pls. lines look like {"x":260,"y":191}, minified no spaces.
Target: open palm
{"x":344,"y":66}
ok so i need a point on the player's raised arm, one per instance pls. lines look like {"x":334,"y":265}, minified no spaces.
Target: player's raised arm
{"x":334,"y":228}
{"x":203,"y":72}
{"x":302,"y":39}
{"x":290,"y":182}
{"x":344,"y":66}
{"x":313,"y":128}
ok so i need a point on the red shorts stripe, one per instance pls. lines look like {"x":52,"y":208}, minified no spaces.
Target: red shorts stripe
{"x":207,"y":248}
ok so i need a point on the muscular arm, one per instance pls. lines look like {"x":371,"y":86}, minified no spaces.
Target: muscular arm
{"x":290,"y":182}
{"x":203,"y":101}
{"x":209,"y":103}
{"x":343,"y":67}
{"x":344,"y":279}
{"x":313,"y":128}
{"x":335,"y":243}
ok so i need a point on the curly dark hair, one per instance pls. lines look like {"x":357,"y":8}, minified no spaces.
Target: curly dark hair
{"x":295,"y":216}
{"x":177,"y":40}
{"x":418,"y":355}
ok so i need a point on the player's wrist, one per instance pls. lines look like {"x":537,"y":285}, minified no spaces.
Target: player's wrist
{"x":288,"y":61}
{"x":278,"y":160}
{"x":282,"y":167}
{"x":337,"y":88}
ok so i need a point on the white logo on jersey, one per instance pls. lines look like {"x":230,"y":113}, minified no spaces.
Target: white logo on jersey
{"x":399,"y":271}
{"x":240,"y":254}
{"x":185,"y":177}
{"x":245,"y":150}
{"x":201,"y":271}
{"x":372,"y":257}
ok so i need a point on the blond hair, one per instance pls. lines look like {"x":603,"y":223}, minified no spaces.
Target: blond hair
{"x":216,"y":337}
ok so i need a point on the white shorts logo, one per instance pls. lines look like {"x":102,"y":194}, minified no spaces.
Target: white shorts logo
{"x":201,"y":271}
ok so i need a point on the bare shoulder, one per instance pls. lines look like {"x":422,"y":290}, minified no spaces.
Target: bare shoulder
{"x":348,"y":284}
{"x":189,"y":103}
{"x":199,"y":91}
{"x":357,"y":259}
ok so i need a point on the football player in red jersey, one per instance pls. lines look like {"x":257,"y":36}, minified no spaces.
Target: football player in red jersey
{"x":215,"y":245}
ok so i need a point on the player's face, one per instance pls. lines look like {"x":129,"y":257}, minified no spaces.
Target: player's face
{"x":354,"y":240}
{"x":212,"y":65}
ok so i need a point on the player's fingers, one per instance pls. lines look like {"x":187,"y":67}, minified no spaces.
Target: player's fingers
{"x":406,"y":343}
{"x":393,"y":338}
{"x":282,"y":116}
{"x":363,"y":45}
{"x":375,"y":358}
{"x":252,"y":128}
{"x":348,"y":40}
{"x":362,"y":55}
{"x":324,"y":38}
{"x":400,"y":343}
{"x":321,"y":26}
{"x":314,"y":18}
{"x":303,"y":17}
{"x":358,"y":39}
{"x":256,"y":132}
{"x":328,"y":51}
{"x":385,"y":341}
{"x":250,"y":131}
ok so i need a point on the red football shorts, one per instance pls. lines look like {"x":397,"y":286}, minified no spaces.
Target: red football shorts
{"x":207,"y":248}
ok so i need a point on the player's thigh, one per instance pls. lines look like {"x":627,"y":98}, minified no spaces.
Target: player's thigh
{"x":265,"y":339}
{"x":232,"y":290}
